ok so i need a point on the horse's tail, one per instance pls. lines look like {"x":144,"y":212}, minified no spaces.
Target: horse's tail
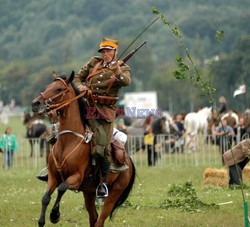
{"x":126,"y":192}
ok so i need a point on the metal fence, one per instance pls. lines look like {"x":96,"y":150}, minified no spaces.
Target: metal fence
{"x":168,"y":150}
{"x":171,"y":150}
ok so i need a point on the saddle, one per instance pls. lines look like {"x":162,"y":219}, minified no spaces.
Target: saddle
{"x":118,"y":153}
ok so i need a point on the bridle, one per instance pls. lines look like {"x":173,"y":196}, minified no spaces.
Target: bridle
{"x":51,"y":107}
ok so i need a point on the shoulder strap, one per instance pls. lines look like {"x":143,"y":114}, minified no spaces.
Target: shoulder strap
{"x":93,"y":73}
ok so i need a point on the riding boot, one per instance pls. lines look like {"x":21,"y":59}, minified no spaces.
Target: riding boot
{"x":102,"y":189}
{"x":43,"y":177}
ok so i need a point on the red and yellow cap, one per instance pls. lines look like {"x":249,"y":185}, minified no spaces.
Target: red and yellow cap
{"x":110,"y":44}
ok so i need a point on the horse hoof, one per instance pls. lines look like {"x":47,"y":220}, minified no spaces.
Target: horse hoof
{"x":41,"y":223}
{"x":55,"y":217}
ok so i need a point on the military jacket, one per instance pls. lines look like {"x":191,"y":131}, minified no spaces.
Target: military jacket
{"x":100,"y":82}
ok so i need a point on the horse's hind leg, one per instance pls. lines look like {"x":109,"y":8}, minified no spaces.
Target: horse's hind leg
{"x":108,"y":206}
{"x":91,"y":208}
{"x":55,"y":213}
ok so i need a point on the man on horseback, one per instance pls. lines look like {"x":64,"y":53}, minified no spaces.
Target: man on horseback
{"x":101,"y":78}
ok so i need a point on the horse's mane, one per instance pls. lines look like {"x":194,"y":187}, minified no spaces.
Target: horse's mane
{"x":82,"y":106}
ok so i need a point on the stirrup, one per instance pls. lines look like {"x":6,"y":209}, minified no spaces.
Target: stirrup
{"x":42,"y":174}
{"x":106,"y":189}
{"x":88,"y":136}
{"x":43,"y":170}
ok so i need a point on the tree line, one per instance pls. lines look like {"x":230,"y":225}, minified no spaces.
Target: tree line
{"x":38,"y":37}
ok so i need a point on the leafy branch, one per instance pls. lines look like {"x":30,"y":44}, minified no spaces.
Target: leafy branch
{"x":193,"y":75}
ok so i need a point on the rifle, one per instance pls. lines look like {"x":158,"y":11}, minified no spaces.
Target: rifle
{"x":126,"y":58}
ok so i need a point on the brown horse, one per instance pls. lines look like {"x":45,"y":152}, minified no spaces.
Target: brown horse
{"x":69,"y":164}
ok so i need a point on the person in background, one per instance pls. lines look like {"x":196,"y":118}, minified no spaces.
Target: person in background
{"x":8,"y":144}
{"x":240,"y":130}
{"x":247,"y":121}
{"x":149,"y":145}
{"x":224,"y":135}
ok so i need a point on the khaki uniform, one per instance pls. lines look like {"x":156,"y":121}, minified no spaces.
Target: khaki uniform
{"x":100,"y":86}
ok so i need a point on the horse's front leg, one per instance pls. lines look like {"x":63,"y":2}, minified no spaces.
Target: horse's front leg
{"x":45,"y":202}
{"x":90,"y":206}
{"x":73,"y":182}
{"x":55,"y":213}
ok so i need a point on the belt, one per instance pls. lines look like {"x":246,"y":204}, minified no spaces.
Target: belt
{"x":104,"y":100}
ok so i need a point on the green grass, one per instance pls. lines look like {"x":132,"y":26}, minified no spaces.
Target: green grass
{"x":21,"y":193}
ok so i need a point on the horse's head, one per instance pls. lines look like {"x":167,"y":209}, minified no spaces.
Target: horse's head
{"x":206,"y":112}
{"x":54,"y":94}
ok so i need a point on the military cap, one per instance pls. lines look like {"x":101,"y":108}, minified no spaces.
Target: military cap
{"x":107,"y":43}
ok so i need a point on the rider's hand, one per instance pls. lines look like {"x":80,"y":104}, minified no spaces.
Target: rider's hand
{"x":81,"y":88}
{"x":115,"y":68}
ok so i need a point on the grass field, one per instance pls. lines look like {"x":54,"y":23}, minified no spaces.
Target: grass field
{"x":21,"y":193}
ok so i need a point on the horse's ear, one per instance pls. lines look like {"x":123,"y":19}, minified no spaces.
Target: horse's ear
{"x":71,"y":77}
{"x":54,"y":76}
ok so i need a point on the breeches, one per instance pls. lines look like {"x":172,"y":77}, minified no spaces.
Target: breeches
{"x":103,"y":132}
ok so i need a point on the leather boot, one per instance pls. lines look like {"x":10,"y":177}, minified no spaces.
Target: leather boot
{"x":51,"y":139}
{"x":43,"y":177}
{"x":102,"y":189}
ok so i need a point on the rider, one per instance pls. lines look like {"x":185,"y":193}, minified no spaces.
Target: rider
{"x":101,"y":78}
{"x":102,"y":96}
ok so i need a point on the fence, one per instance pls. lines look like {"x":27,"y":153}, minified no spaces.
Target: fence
{"x":169,"y":150}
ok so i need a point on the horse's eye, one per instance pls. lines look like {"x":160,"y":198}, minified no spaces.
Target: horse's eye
{"x":59,"y":90}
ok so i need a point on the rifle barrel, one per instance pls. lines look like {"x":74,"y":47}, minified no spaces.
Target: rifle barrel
{"x":127,"y":57}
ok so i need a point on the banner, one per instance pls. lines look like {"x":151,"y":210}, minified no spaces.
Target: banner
{"x":240,"y":90}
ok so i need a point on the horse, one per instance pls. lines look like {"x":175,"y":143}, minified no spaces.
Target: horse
{"x":70,"y":161}
{"x":35,"y":129}
{"x":194,"y":123}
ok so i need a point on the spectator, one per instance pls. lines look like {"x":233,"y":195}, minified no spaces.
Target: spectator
{"x":8,"y":144}
{"x":159,"y":128}
{"x":149,"y":145}
{"x":180,"y":125}
{"x":224,"y":135}
{"x":179,"y":143}
{"x":240,"y":130}
{"x":247,"y":121}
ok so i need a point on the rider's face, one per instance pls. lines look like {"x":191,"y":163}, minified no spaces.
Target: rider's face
{"x":109,"y":55}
